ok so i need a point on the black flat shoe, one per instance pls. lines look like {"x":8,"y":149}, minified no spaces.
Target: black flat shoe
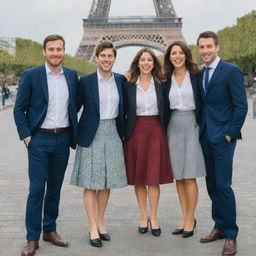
{"x":143,"y":230}
{"x":155,"y":231}
{"x":104,"y":237}
{"x":95,"y":242}
{"x":178,"y":231}
{"x":187,"y":234}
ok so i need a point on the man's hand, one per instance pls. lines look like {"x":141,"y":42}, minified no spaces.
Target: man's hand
{"x":228,"y":138}
{"x":27,"y":141}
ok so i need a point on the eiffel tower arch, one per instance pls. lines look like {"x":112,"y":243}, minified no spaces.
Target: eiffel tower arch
{"x":156,"y":32}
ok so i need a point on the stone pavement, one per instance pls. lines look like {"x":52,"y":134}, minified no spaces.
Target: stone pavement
{"x":122,"y":215}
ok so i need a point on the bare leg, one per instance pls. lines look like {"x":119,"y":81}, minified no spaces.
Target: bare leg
{"x":180,"y":186}
{"x":90,"y":201}
{"x":102,"y":201}
{"x":153,"y":195}
{"x":141,"y":195}
{"x":192,"y":197}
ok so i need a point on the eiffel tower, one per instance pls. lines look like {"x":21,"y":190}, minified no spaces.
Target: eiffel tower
{"x":156,"y":32}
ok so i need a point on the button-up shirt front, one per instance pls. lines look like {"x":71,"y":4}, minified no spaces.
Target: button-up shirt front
{"x":58,"y":100}
{"x":182,"y":97}
{"x":146,"y":101}
{"x":108,"y":97}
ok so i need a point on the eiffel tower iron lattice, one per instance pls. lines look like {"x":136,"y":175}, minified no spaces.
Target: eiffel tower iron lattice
{"x":156,"y":32}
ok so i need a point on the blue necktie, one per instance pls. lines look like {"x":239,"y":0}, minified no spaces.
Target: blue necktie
{"x":206,"y":78}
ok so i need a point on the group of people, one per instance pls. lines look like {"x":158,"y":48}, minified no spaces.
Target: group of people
{"x":155,"y":124}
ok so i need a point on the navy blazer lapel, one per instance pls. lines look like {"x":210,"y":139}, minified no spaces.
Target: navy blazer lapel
{"x":119,"y":85}
{"x":44,"y":83}
{"x":215,"y":74}
{"x":95,"y":91}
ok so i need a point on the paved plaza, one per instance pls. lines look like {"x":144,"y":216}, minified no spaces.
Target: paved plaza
{"x":122,"y":216}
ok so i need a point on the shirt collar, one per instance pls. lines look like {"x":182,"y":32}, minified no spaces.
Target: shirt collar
{"x":100,"y":78}
{"x":150,"y":85}
{"x":48,"y":71}
{"x":214,"y":63}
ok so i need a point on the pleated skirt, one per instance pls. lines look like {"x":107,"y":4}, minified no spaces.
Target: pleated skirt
{"x":101,"y":165}
{"x":146,"y":153}
{"x":185,"y":149}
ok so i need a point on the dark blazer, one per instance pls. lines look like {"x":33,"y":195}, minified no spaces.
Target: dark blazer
{"x":196,"y":93}
{"x":88,"y":97}
{"x":130,"y":91}
{"x":224,"y":105}
{"x":32,"y":102}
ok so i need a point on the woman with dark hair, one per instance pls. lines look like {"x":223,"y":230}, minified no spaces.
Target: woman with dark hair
{"x":182,"y":97}
{"x":146,"y":149}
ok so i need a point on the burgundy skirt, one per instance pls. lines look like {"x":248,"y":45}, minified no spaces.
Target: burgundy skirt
{"x":146,"y":153}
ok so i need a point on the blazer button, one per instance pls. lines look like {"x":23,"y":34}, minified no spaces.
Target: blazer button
{"x":126,"y":117}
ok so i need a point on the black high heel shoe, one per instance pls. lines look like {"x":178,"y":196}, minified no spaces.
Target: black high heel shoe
{"x":155,"y":231}
{"x":187,"y":234}
{"x":104,"y":237}
{"x":178,"y":231}
{"x":143,"y":230}
{"x":95,"y":242}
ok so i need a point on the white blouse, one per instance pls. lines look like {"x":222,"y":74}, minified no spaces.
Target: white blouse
{"x":146,"y":102}
{"x":108,"y":97}
{"x":182,"y":97}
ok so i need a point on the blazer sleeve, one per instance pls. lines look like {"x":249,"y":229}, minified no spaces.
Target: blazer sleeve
{"x":239,"y":102}
{"x":21,"y":106}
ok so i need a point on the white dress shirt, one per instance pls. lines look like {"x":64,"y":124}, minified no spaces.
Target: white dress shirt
{"x":146,"y":102}
{"x":58,"y":100}
{"x":212,"y":69}
{"x":108,"y":97}
{"x":182,"y":97}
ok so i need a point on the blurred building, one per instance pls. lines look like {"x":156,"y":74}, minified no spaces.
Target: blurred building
{"x":8,"y":44}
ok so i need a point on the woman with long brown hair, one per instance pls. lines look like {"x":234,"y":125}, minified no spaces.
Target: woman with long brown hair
{"x":145,"y":147}
{"x":183,"y":115}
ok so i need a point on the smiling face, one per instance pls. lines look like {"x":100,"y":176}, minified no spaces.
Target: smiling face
{"x":146,"y":63}
{"x":177,"y":57}
{"x":106,"y":60}
{"x":208,"y":50}
{"x":54,"y":53}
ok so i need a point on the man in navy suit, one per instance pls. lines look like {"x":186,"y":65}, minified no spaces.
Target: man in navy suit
{"x":46,"y":120}
{"x":224,"y":108}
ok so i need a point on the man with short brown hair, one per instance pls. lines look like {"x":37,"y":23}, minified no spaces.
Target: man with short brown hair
{"x":46,"y":120}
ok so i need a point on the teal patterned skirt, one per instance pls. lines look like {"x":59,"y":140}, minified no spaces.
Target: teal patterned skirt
{"x":101,"y":165}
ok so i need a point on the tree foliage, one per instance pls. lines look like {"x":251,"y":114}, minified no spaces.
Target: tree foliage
{"x":29,"y":54}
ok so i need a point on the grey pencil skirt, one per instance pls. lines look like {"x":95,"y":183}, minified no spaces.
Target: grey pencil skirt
{"x":185,"y":149}
{"x":101,"y":165}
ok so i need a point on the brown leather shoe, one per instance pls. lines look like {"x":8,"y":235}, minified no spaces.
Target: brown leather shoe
{"x":229,"y":247}
{"x":30,"y":248}
{"x":55,"y":238}
{"x":213,"y":236}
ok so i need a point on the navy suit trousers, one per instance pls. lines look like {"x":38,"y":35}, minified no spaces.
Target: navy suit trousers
{"x":219,"y":162}
{"x":48,"y":155}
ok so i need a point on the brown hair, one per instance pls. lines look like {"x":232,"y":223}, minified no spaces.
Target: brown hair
{"x":156,"y":71}
{"x":105,"y":45}
{"x":208,"y":34}
{"x":53,"y":37}
{"x":190,"y":63}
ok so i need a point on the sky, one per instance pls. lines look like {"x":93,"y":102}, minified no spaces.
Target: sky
{"x":35,"y":19}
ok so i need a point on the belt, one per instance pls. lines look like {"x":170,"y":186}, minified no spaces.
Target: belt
{"x":56,"y":130}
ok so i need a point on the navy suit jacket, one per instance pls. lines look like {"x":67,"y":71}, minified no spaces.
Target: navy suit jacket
{"x":88,"y":97}
{"x":224,"y":105}
{"x":130,"y":92}
{"x":196,"y":94}
{"x":32,"y":102}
